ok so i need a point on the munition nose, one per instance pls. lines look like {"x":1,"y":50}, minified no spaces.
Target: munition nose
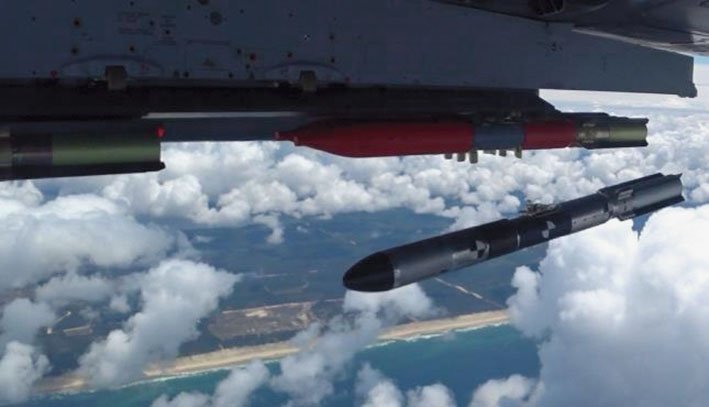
{"x":373,"y":273}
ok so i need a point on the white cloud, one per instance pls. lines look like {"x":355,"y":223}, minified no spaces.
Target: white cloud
{"x":180,"y":197}
{"x":22,"y":318}
{"x":273,"y":223}
{"x":367,"y":378}
{"x":119,"y":303}
{"x":307,"y":376}
{"x":16,"y":196}
{"x":377,"y":390}
{"x":176,"y":295}
{"x":236,"y":163}
{"x":237,"y":388}
{"x":234,"y":391}
{"x":183,"y":400}
{"x":70,"y":287}
{"x":435,"y":395}
{"x":384,"y":394}
{"x":408,"y":301}
{"x":20,"y":367}
{"x":68,"y":232}
{"x":508,"y":392}
{"x":622,"y":318}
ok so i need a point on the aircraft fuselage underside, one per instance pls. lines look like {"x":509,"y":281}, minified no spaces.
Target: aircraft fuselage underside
{"x":222,"y":70}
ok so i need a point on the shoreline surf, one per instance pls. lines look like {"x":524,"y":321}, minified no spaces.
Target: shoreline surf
{"x":229,"y":357}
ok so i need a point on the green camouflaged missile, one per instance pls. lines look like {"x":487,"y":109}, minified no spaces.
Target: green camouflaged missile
{"x":87,"y":149}
{"x":55,"y":155}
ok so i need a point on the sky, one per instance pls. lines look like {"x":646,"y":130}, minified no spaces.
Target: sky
{"x":618,"y":314}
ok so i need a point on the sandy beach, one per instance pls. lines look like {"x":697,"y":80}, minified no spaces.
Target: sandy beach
{"x":237,"y":356}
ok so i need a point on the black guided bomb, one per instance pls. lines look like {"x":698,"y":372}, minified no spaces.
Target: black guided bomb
{"x":416,"y":261}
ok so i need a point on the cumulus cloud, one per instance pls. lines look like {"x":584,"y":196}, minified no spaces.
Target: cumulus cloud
{"x":41,"y":239}
{"x":175,"y":295}
{"x":22,"y":364}
{"x":622,"y":317}
{"x":407,"y":301}
{"x":384,"y":394}
{"x":367,"y":379}
{"x":69,"y":287}
{"x":377,"y":390}
{"x":63,"y":236}
{"x":119,"y":303}
{"x":183,"y":400}
{"x":236,"y":389}
{"x":20,"y":367}
{"x":16,"y":196}
{"x":435,"y":395}
{"x":22,"y":318}
{"x":273,"y":223}
{"x":308,"y":376}
{"x":180,"y":197}
{"x":509,"y":392}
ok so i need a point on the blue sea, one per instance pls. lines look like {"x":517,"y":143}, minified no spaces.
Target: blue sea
{"x":460,"y":360}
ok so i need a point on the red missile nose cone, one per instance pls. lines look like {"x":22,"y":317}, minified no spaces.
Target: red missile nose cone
{"x":371,"y":274}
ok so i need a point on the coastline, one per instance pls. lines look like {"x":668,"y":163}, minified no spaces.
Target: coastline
{"x":225,"y":358}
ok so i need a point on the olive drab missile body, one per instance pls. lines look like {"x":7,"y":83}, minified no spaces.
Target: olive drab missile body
{"x":77,"y":153}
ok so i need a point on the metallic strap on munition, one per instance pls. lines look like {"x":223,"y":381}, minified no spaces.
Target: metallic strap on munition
{"x":48,"y":155}
{"x":416,"y":261}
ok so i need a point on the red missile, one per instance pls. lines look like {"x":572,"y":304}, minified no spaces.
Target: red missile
{"x":381,"y":139}
{"x":401,"y":138}
{"x":551,"y":134}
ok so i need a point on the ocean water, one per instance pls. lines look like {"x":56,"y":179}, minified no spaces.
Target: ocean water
{"x":460,"y":360}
